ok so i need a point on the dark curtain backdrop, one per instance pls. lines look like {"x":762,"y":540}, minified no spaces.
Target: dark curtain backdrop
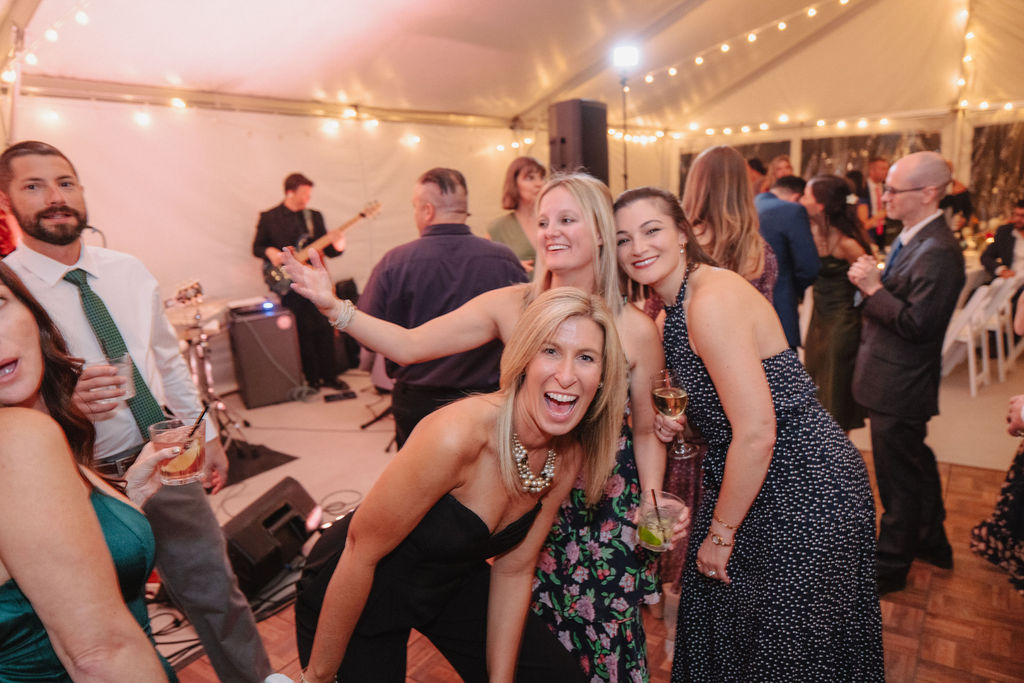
{"x":837,"y":156}
{"x":997,"y":169}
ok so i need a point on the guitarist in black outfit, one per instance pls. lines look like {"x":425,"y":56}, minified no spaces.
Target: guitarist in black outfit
{"x":291,"y":224}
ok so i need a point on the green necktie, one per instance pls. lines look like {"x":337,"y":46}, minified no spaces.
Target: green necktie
{"x":144,"y":407}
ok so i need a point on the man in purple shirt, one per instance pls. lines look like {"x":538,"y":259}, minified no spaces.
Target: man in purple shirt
{"x":420,"y":280}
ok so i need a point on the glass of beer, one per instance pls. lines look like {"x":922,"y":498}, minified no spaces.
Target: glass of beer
{"x":670,"y":400}
{"x":190,"y":437}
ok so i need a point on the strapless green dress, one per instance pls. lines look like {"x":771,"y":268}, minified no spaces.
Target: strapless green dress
{"x":25,"y":650}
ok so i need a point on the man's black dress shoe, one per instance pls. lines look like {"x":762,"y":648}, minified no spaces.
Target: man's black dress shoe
{"x":336,"y":384}
{"x":942,"y":558}
{"x":890,"y":584}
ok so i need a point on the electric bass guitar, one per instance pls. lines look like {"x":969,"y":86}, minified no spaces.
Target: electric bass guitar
{"x":278,"y":280}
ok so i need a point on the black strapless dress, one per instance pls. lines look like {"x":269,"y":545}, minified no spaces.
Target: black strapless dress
{"x":435,"y":581}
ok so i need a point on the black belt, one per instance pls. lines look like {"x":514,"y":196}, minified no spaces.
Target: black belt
{"x":117,"y":464}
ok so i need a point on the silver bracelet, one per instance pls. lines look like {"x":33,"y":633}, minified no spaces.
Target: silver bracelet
{"x":303,"y":679}
{"x":348,"y":309}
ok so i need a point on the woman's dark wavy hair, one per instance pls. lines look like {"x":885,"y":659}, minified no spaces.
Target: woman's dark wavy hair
{"x":669,"y":203}
{"x":60,"y":374}
{"x":833,"y":193}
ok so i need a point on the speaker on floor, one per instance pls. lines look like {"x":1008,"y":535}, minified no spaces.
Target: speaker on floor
{"x":578,"y":136}
{"x":269,"y":534}
{"x":265,"y":346}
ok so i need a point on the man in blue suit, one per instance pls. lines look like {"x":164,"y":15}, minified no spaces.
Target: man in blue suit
{"x":784,"y":225}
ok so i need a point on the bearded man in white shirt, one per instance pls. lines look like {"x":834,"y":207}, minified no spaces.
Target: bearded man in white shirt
{"x":40,"y":187}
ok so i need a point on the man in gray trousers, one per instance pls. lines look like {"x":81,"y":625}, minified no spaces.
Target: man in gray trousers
{"x":106,"y":303}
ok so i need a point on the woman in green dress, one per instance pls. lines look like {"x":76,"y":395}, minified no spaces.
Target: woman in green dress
{"x":517,"y":229}
{"x":834,"y":332}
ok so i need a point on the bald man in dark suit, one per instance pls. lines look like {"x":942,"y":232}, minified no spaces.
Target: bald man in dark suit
{"x":906,"y":310}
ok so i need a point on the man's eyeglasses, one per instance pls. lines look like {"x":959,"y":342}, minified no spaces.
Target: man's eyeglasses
{"x":888,"y":189}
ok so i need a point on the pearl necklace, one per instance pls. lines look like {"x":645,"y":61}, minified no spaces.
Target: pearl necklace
{"x":533,"y":483}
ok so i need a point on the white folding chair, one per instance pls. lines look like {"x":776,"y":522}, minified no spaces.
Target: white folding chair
{"x":965,"y":336}
{"x":998,"y":319}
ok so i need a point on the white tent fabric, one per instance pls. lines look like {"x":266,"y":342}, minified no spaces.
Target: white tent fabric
{"x":184,"y":191}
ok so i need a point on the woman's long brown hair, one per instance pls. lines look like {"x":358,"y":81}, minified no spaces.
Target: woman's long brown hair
{"x":60,"y":374}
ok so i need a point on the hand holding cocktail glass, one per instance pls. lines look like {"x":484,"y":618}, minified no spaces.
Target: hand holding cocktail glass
{"x":661,"y":520}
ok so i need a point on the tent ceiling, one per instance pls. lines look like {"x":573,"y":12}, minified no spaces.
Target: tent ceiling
{"x":502,"y":60}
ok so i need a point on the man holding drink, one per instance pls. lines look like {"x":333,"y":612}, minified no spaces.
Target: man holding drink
{"x":107,"y":305}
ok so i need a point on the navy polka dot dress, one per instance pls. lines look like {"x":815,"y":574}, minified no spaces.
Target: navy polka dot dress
{"x":802,"y":605}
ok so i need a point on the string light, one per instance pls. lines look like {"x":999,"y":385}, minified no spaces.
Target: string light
{"x":178,"y":103}
{"x":811,"y":12}
{"x":677,"y":136}
{"x":370,"y":124}
{"x":727,"y":131}
{"x":331,"y":126}
{"x":983,"y":105}
{"x":821,"y":123}
{"x":725,"y":47}
{"x":8,"y":76}
{"x":763,"y":126}
{"x":709,"y":131}
{"x":968,"y":59}
{"x":1008,"y":106}
{"x":970,"y":35}
{"x":745,"y":129}
{"x":350,"y":113}
{"x":964,"y":103}
{"x":649,"y":78}
{"x":698,"y":60}
{"x":782,"y":26}
{"x":751,"y":37}
{"x":528,"y":141}
{"x":783,"y":118}
{"x":515,"y":145}
{"x":694,"y":126}
{"x":863,"y":123}
{"x":410,"y":140}
{"x":884,"y":121}
{"x":31,"y":59}
{"x":81,"y":17}
{"x":500,"y":148}
{"x":660,"y":134}
{"x":51,"y":35}
{"x":840,"y":124}
{"x":961,"y":82}
{"x":673,"y":71}
{"x":142,"y":118}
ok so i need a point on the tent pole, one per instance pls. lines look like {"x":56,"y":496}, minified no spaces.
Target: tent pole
{"x":625,"y":165}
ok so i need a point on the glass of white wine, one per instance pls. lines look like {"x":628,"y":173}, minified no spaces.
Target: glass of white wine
{"x":670,"y":400}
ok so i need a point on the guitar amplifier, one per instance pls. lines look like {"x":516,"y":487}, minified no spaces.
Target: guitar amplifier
{"x":265,"y":346}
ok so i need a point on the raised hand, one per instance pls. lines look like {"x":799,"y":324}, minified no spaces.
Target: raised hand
{"x":312,"y":281}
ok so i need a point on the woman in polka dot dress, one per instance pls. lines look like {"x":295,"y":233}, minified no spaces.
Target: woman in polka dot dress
{"x":779,"y":583}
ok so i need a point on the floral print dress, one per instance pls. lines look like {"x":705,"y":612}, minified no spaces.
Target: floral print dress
{"x":592,"y":577}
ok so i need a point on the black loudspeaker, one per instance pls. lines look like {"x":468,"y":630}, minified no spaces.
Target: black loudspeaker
{"x":265,"y":536}
{"x":578,"y":131}
{"x":265,"y":346}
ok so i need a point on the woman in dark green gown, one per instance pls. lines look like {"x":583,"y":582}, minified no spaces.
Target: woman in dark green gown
{"x":834,"y":332}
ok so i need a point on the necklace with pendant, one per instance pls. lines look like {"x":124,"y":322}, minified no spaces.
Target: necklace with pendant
{"x":533,"y":483}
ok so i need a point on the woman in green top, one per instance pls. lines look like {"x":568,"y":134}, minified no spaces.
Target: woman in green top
{"x":523,"y":180}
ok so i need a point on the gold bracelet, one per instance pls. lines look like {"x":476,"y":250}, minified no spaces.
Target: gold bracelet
{"x":718,"y":540}
{"x":714,"y":515}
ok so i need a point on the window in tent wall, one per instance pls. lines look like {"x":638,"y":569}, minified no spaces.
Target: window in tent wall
{"x":997,"y":171}
{"x":840,"y":155}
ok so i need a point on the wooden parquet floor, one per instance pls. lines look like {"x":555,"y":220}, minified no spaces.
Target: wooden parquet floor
{"x":966,"y":624}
